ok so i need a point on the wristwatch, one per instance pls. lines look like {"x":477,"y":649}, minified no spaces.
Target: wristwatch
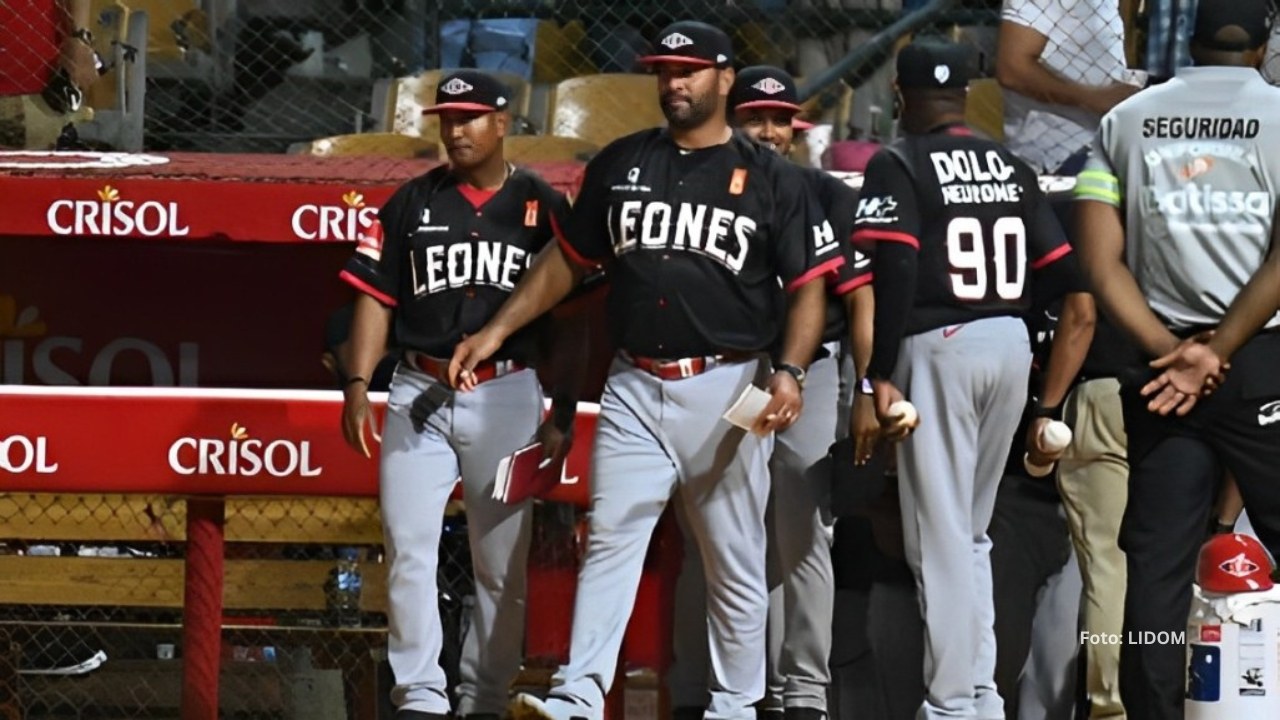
{"x":795,"y":371}
{"x":83,"y":35}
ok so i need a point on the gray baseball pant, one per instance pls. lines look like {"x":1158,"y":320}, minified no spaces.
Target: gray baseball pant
{"x":654,"y":436}
{"x":970,"y":387}
{"x":466,"y":438}
{"x":800,"y":575}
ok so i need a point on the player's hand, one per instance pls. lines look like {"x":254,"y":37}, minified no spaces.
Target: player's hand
{"x":76,"y":57}
{"x":1191,"y":369}
{"x":1102,"y":99}
{"x":784,"y":405}
{"x":1036,"y":452}
{"x":556,"y":443}
{"x":866,"y":428}
{"x":469,"y":353}
{"x":356,"y":417}
{"x":891,"y":429}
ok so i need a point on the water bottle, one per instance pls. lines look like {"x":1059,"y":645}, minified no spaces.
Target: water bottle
{"x":342,"y":590}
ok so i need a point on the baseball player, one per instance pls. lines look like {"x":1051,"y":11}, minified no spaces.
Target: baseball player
{"x":447,"y":249}
{"x":1192,"y":162}
{"x":765,"y":104}
{"x":961,"y":231}
{"x":702,"y":229}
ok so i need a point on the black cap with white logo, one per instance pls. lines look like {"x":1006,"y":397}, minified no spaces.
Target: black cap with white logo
{"x":764,"y":86}
{"x":935,"y":64}
{"x":470,"y":91}
{"x":692,"y":42}
{"x":1251,"y":16}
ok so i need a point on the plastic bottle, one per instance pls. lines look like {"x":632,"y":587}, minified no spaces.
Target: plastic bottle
{"x":342,"y":590}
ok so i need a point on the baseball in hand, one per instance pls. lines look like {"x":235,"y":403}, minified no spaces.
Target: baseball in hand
{"x":1036,"y":470}
{"x":905,"y":413}
{"x":1055,"y":437}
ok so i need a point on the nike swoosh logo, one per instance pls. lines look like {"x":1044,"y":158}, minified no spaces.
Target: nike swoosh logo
{"x":948,"y":332}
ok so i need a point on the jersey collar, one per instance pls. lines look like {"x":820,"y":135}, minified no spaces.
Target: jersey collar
{"x":957,"y":129}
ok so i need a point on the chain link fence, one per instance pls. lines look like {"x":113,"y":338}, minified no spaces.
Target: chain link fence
{"x":268,"y":75}
{"x":228,"y":76}
{"x":91,"y":611}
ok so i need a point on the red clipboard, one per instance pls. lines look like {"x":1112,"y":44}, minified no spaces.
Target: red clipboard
{"x":525,"y":474}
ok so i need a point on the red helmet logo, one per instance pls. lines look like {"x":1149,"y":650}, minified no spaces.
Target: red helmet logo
{"x":1239,"y":566}
{"x":1234,"y":563}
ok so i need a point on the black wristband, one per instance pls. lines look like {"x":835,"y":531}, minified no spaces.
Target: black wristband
{"x":353,"y":380}
{"x":1040,"y":411}
{"x":83,"y":35}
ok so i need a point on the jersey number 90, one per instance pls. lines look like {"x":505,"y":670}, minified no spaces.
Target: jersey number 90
{"x":982,"y":263}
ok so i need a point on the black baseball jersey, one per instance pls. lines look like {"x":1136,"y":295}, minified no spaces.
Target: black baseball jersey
{"x":837,"y":201}
{"x":696,"y":242}
{"x":975,"y":214}
{"x":446,"y":255}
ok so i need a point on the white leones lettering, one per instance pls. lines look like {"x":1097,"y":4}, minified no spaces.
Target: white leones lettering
{"x":712,"y":232}
{"x":969,"y":177}
{"x":438,"y":268}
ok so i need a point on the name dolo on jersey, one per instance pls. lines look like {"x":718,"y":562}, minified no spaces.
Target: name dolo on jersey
{"x":449,"y":267}
{"x":968,"y":166}
{"x":689,"y":227}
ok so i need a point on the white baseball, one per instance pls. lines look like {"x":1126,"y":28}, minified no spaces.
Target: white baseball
{"x":905,"y":412}
{"x":1055,"y":437}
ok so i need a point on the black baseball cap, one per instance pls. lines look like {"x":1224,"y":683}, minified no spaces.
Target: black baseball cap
{"x":766,"y":86}
{"x":692,"y":42}
{"x":1213,"y":16}
{"x":470,"y":90}
{"x":935,"y":64}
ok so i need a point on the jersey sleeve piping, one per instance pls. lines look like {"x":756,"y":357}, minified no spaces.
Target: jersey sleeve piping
{"x":886,"y":235}
{"x":366,"y":288}
{"x":570,"y":252}
{"x":829,"y":266}
{"x":849,"y":286}
{"x":1052,"y":256}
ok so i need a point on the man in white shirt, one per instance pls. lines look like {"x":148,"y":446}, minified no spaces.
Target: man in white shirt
{"x":1062,"y":66}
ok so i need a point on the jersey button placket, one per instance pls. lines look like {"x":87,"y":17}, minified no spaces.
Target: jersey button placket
{"x":470,"y":292}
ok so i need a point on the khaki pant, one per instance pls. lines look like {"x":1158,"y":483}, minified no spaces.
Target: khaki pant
{"x":1093,"y":478}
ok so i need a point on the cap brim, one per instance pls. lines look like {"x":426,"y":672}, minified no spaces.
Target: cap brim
{"x":683,"y":59}
{"x":460,"y":107}
{"x":776,"y":104}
